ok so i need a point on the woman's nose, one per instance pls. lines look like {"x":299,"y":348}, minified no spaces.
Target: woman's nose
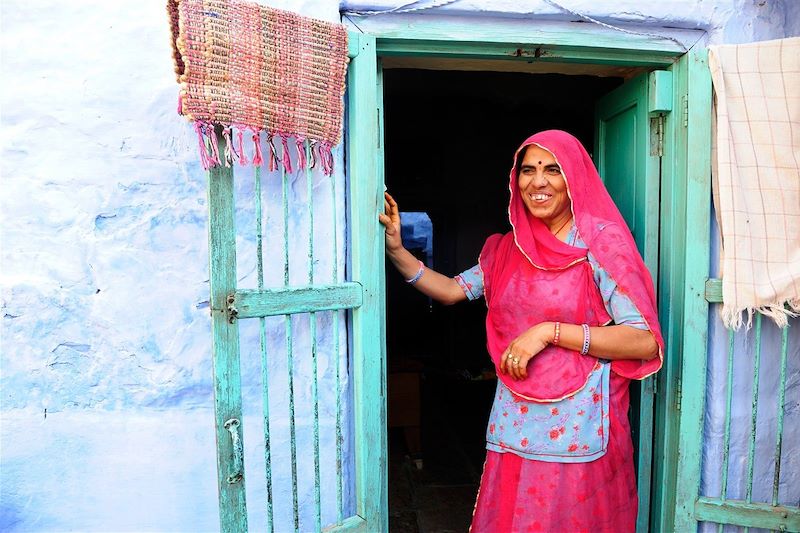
{"x":539,"y":180}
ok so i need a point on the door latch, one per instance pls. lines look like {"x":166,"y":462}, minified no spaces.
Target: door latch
{"x":237,"y":473}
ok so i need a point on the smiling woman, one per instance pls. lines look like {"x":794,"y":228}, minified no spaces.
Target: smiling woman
{"x":571,"y":320}
{"x":543,"y":188}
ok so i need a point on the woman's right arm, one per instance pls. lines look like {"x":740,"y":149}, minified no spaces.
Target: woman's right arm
{"x":443,"y":289}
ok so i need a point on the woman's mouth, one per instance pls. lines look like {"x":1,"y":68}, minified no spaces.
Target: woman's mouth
{"x":540,"y":196}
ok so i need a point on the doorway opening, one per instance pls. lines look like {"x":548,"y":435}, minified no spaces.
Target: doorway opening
{"x":449,"y":140}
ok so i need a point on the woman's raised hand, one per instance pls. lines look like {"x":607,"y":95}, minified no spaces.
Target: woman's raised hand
{"x":441,"y":288}
{"x":390,"y":218}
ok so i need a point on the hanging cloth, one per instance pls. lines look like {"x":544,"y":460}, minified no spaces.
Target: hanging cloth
{"x":756,"y":177}
{"x":251,"y":67}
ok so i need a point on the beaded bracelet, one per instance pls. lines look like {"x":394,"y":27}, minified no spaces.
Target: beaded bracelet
{"x":556,"y":333}
{"x":418,"y":274}
{"x":586,"y":339}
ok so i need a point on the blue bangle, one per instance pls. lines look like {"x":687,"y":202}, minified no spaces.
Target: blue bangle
{"x":418,"y":274}
{"x":586,"y":339}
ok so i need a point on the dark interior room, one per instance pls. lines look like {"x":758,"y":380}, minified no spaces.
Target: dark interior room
{"x":450,"y":138}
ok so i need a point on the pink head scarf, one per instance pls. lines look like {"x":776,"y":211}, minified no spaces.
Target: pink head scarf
{"x":530,"y":276}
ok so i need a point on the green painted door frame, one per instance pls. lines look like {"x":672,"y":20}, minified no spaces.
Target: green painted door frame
{"x":685,"y":206}
{"x":684,"y":267}
{"x":366,"y":266}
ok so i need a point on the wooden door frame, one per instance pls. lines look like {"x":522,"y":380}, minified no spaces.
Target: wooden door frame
{"x":686,"y":187}
{"x":685,"y":209}
{"x":366,"y":266}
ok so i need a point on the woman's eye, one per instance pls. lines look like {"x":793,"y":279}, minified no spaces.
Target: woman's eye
{"x":554,"y":171}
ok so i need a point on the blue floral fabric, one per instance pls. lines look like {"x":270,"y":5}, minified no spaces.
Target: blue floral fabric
{"x":572,"y":430}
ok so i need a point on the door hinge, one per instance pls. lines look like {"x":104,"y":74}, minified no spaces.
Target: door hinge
{"x":678,"y":394}
{"x":657,"y":135}
{"x":685,"y":110}
{"x":232,"y":311}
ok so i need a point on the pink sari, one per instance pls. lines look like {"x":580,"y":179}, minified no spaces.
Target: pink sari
{"x":531,"y":277}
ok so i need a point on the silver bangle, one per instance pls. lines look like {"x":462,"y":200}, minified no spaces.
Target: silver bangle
{"x":586,"y":339}
{"x":418,"y":274}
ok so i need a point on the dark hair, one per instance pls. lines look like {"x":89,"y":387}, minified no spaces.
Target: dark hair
{"x":520,"y":158}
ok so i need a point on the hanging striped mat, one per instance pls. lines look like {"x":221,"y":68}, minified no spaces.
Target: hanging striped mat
{"x":250,"y":69}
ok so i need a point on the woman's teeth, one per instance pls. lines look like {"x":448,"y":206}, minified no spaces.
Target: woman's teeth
{"x":540,"y":197}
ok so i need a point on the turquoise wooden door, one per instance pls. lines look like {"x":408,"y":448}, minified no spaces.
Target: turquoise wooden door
{"x":630,"y":170}
{"x":359,"y":292}
{"x":628,"y":164}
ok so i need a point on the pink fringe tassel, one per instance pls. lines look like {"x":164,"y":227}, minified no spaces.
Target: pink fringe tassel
{"x":287,"y":159}
{"x":215,"y":159}
{"x":242,"y":155}
{"x":312,"y":162}
{"x":301,"y":153}
{"x":273,"y":154}
{"x":257,"y":157}
{"x":201,"y":141}
{"x":228,"y":159}
{"x":326,"y":158}
{"x":210,"y":155}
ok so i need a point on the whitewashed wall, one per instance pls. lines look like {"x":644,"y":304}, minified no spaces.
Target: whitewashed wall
{"x":107,"y":420}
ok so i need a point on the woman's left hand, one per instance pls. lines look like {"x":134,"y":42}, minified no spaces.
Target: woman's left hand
{"x":516,"y":357}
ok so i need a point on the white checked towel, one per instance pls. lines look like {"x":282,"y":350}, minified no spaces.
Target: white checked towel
{"x":756,"y":177}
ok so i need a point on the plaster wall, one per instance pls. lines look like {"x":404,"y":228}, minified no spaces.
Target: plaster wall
{"x":107,"y":401}
{"x":107,"y":412}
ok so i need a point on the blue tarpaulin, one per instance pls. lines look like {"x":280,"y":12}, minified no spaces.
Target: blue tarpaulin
{"x":416,"y":230}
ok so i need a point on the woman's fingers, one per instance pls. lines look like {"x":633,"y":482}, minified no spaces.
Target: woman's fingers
{"x":389,"y":218}
{"x":507,"y":365}
{"x":514,"y":363}
{"x":523,"y":367}
{"x":510,"y":363}
{"x":391,"y":207}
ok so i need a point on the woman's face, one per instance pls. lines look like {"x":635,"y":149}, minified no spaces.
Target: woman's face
{"x":542,"y":187}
